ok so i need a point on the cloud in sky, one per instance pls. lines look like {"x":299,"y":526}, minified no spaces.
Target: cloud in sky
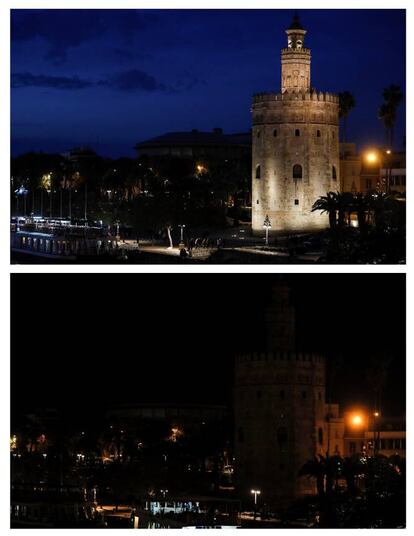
{"x":63,"y":29}
{"x":20,"y":80}
{"x":131,"y":80}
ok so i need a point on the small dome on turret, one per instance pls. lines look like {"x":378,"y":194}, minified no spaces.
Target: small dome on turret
{"x":296,"y":24}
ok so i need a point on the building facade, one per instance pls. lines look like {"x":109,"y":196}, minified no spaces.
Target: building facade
{"x":295,"y":145}
{"x":360,"y":175}
{"x":197,"y":145}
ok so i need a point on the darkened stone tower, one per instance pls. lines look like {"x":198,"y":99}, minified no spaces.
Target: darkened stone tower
{"x":279,"y":410}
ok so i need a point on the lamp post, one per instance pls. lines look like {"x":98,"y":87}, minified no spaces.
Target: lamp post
{"x":373,"y":157}
{"x":182,"y":227}
{"x":255,"y":492}
{"x":86,"y":204}
{"x":376,"y":431}
{"x":266,"y":225}
{"x":387,"y":170}
{"x":358,"y":421}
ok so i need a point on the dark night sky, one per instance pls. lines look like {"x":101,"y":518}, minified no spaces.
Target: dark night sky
{"x":82,"y":342}
{"x":111,"y":78}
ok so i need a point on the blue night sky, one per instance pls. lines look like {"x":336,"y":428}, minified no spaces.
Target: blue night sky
{"x":112,"y":78}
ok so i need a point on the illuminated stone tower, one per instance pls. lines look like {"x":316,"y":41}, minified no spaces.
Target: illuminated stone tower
{"x":295,"y":145}
{"x":279,"y":410}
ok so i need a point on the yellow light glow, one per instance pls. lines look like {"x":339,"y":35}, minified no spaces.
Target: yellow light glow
{"x":372,"y":157}
{"x":201,"y":169}
{"x":357,"y":419}
{"x":388,"y":151}
{"x":376,"y":414}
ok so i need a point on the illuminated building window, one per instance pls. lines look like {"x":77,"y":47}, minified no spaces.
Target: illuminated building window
{"x":297,"y":132}
{"x":297,"y":171}
{"x":334,"y":173}
{"x":258,"y":171}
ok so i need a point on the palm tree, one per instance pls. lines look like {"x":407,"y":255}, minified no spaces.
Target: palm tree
{"x":316,"y":469}
{"x":387,"y":112}
{"x":361,"y":207}
{"x":382,"y":205}
{"x":346,"y":103}
{"x":344,"y":202}
{"x":352,"y":468}
{"x":327,"y":203}
{"x":325,"y":471}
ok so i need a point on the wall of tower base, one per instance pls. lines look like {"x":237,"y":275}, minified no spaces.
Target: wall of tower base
{"x":288,"y":221}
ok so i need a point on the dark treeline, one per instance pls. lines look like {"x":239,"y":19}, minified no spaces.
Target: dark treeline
{"x":147,"y":194}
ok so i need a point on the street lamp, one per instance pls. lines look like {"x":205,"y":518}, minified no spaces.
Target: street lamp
{"x":182,"y":227}
{"x":373,"y":157}
{"x":388,"y":171}
{"x":164,"y":492}
{"x":377,"y":433}
{"x":255,"y":492}
{"x":266,"y":225}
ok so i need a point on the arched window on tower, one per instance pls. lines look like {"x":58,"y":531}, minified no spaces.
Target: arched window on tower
{"x":318,"y":133}
{"x":297,"y":171}
{"x":297,"y":132}
{"x":334,"y":173}
{"x":258,"y":171}
{"x":275,"y":133}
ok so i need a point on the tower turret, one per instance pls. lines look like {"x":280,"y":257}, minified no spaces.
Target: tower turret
{"x":296,"y":59}
{"x":280,"y":320}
